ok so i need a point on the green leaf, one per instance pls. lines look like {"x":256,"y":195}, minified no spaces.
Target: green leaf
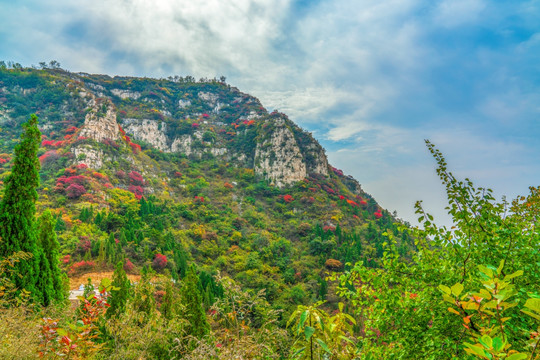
{"x":498,"y":344}
{"x":303,"y":318}
{"x":475,"y":349}
{"x":531,"y":314}
{"x":61,"y":332}
{"x":308,"y":332}
{"x":501,"y":265}
{"x":457,"y":289}
{"x":445,"y":289}
{"x":487,"y":341}
{"x":517,"y":356}
{"x":533,"y":304}
{"x":511,"y":276}
{"x":323,"y":345}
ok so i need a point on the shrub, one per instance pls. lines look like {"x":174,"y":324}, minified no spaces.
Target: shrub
{"x":160,"y":262}
{"x":74,"y":191}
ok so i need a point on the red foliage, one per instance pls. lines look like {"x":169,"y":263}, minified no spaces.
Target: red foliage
{"x":68,"y":137}
{"x":82,"y":166}
{"x":77,"y":179}
{"x":350,"y":202}
{"x":137,"y":190}
{"x":127,"y":138}
{"x":160,"y":262}
{"x":121,"y":130}
{"x":329,"y":228}
{"x":135,"y":178}
{"x":110,"y":142}
{"x":378,"y":214}
{"x":136,"y":148}
{"x":66,"y":259}
{"x":333,"y":264}
{"x":205,"y":115}
{"x":312,"y":189}
{"x":177,"y":174}
{"x":228,"y":185}
{"x":337,"y":171}
{"x":199,"y":198}
{"x":288,"y":198}
{"x":341,"y":197}
{"x":74,"y":191}
{"x":71,"y":129}
{"x":121,"y":174}
{"x":128,"y":266}
{"x":98,"y":175}
{"x":195,"y":125}
{"x":49,"y":156}
{"x":81,"y":266}
{"x":84,"y":244}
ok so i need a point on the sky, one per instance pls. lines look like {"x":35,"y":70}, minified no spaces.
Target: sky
{"x":371,"y":79}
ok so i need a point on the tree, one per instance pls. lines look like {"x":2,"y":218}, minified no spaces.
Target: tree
{"x":18,"y":209}
{"x":51,"y":258}
{"x":192,"y":300}
{"x":460,"y":293}
{"x":120,"y":291}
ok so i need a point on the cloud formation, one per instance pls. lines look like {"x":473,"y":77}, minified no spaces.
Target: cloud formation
{"x":371,"y":79}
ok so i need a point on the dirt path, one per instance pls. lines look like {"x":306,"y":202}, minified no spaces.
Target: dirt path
{"x":75,"y":282}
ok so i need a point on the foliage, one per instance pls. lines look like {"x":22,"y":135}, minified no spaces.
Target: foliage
{"x":403,"y":313}
{"x":17,"y":210}
{"x":192,"y":300}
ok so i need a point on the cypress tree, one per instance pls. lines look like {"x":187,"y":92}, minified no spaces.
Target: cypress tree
{"x":194,"y":312}
{"x":49,"y":244}
{"x":18,"y":209}
{"x":120,"y":292}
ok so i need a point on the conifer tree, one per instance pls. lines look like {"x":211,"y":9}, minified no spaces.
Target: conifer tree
{"x":192,"y":300}
{"x":167,"y":306}
{"x":143,"y":300}
{"x":18,"y":209}
{"x":120,"y":292}
{"x":49,"y":243}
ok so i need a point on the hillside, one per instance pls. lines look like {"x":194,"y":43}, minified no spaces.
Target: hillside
{"x":135,"y":167}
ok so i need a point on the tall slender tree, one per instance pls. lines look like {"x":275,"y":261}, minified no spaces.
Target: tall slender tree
{"x":193,"y":302}
{"x":49,"y":243}
{"x":120,"y":292}
{"x":18,"y":209}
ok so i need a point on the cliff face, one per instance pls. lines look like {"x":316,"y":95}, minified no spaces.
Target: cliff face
{"x":209,"y":119}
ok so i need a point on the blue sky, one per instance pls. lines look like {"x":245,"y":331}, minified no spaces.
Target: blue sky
{"x":370,"y":78}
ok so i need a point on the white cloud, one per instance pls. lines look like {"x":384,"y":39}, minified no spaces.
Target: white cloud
{"x":452,"y":13}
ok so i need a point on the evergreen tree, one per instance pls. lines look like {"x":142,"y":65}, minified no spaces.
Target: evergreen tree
{"x":143,"y":300}
{"x":45,"y":291}
{"x":110,"y":248}
{"x":49,"y":244}
{"x":120,"y":292}
{"x":167,"y":306}
{"x":192,"y":300}
{"x":18,"y":209}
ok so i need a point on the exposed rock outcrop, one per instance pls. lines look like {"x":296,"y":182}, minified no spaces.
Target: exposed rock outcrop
{"x":278,"y":158}
{"x":100,"y":122}
{"x":149,"y":131}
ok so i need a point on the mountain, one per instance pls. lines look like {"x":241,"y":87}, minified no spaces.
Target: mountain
{"x":171,"y":172}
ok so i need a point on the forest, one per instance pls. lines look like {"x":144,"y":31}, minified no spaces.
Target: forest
{"x":198,"y":258}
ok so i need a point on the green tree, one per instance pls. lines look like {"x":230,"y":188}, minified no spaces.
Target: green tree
{"x":193,"y":302}
{"x":120,"y":291}
{"x":49,"y":243}
{"x":447,"y":299}
{"x":18,"y":209}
